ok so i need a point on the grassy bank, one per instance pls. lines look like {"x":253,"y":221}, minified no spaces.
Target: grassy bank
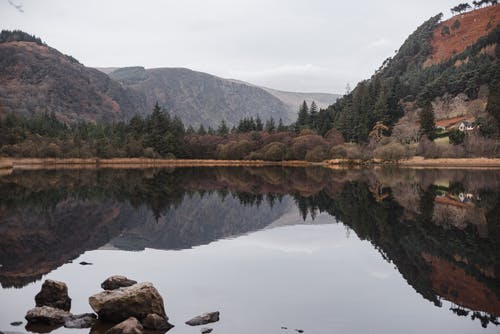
{"x":32,"y":163}
{"x":36,"y":163}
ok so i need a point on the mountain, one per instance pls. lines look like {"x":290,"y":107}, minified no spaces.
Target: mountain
{"x":294,"y":99}
{"x":200,"y":98}
{"x":37,"y":78}
{"x":448,"y":68}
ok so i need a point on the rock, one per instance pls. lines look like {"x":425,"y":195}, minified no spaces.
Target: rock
{"x":85,"y":320}
{"x":299,"y":330}
{"x":117,"y":281}
{"x":203,"y":319}
{"x":137,"y":301}
{"x":206,"y":330}
{"x":129,"y":326}
{"x":83,"y":263}
{"x":54,"y":294}
{"x":155,"y":322}
{"x":283,"y":327}
{"x":47,"y":315}
{"x":16,"y":323}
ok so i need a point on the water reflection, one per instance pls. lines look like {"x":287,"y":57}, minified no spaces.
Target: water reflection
{"x":439,"y":227}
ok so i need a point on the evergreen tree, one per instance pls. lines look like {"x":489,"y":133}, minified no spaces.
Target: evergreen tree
{"x":258,"y":124}
{"x":493,"y":107}
{"x":270,"y":125}
{"x":281,"y":127}
{"x":427,"y":125}
{"x":201,"y":130}
{"x":222,"y":130}
{"x":313,"y":116}
{"x":303,"y":116}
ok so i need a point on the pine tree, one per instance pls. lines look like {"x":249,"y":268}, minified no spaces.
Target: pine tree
{"x":281,"y":127}
{"x":201,"y":130}
{"x":270,"y":125}
{"x":313,"y":116}
{"x":258,"y":124}
{"x":303,"y":116}
{"x":222,"y":130}
{"x":427,"y":125}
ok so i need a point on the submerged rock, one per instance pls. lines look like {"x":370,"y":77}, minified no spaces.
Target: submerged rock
{"x":206,"y":330}
{"x":137,"y":301}
{"x":203,"y":319}
{"x":117,"y":281}
{"x":155,"y":322}
{"x":129,"y":326}
{"x":83,"y":263}
{"x":47,"y":315}
{"x":16,"y":323}
{"x":54,"y":294}
{"x":85,"y":320}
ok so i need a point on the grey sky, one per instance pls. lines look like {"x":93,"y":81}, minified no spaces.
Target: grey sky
{"x":308,"y":45}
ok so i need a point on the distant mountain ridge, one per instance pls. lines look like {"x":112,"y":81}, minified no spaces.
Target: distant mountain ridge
{"x":39,"y":79}
{"x":198,"y":97}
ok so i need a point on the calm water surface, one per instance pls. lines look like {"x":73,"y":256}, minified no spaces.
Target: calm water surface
{"x":325,"y":251}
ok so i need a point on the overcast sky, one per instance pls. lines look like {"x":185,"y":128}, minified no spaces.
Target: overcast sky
{"x":298,"y":45}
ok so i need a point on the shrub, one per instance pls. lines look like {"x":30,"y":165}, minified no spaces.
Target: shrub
{"x":391,"y":152}
{"x":338,"y":152}
{"x":317,"y":154}
{"x":334,"y":137}
{"x":445,"y":31}
{"x":346,"y":151}
{"x":274,"y":152}
{"x":456,"y":137}
{"x":301,"y":145}
{"x":236,"y":150}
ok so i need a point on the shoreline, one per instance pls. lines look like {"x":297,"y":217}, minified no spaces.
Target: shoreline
{"x":128,"y":163}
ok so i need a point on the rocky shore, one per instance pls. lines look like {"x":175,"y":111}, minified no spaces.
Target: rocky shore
{"x":124,"y":306}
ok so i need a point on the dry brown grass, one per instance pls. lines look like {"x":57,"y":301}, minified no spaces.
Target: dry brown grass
{"x":119,"y":163}
{"x":473,"y":25}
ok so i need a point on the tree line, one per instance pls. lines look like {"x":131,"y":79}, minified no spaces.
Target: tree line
{"x":463,"y":7}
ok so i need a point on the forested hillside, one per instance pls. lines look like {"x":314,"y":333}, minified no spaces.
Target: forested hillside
{"x":440,"y":60}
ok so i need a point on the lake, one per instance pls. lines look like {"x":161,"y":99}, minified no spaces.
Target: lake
{"x":275,"y":250}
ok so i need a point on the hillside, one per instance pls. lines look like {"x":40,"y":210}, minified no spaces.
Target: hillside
{"x":450,"y":69}
{"x":37,"y":78}
{"x":453,"y":36}
{"x":200,"y":98}
{"x":295,"y":99}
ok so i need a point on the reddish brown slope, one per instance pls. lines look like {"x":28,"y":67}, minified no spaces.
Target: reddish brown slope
{"x":37,"y":78}
{"x":473,"y":25}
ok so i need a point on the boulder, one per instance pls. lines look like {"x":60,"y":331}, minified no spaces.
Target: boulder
{"x":54,"y":294}
{"x":203,"y":319}
{"x":205,"y":330}
{"x":155,"y":322}
{"x":137,"y":301}
{"x":47,"y":315}
{"x":129,"y":326}
{"x":16,"y":323}
{"x":85,"y":320}
{"x":117,"y":281}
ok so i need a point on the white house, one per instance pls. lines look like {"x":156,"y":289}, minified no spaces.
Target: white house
{"x":466,"y":126}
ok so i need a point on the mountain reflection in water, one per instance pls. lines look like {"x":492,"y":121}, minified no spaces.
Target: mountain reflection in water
{"x":440,"y":228}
